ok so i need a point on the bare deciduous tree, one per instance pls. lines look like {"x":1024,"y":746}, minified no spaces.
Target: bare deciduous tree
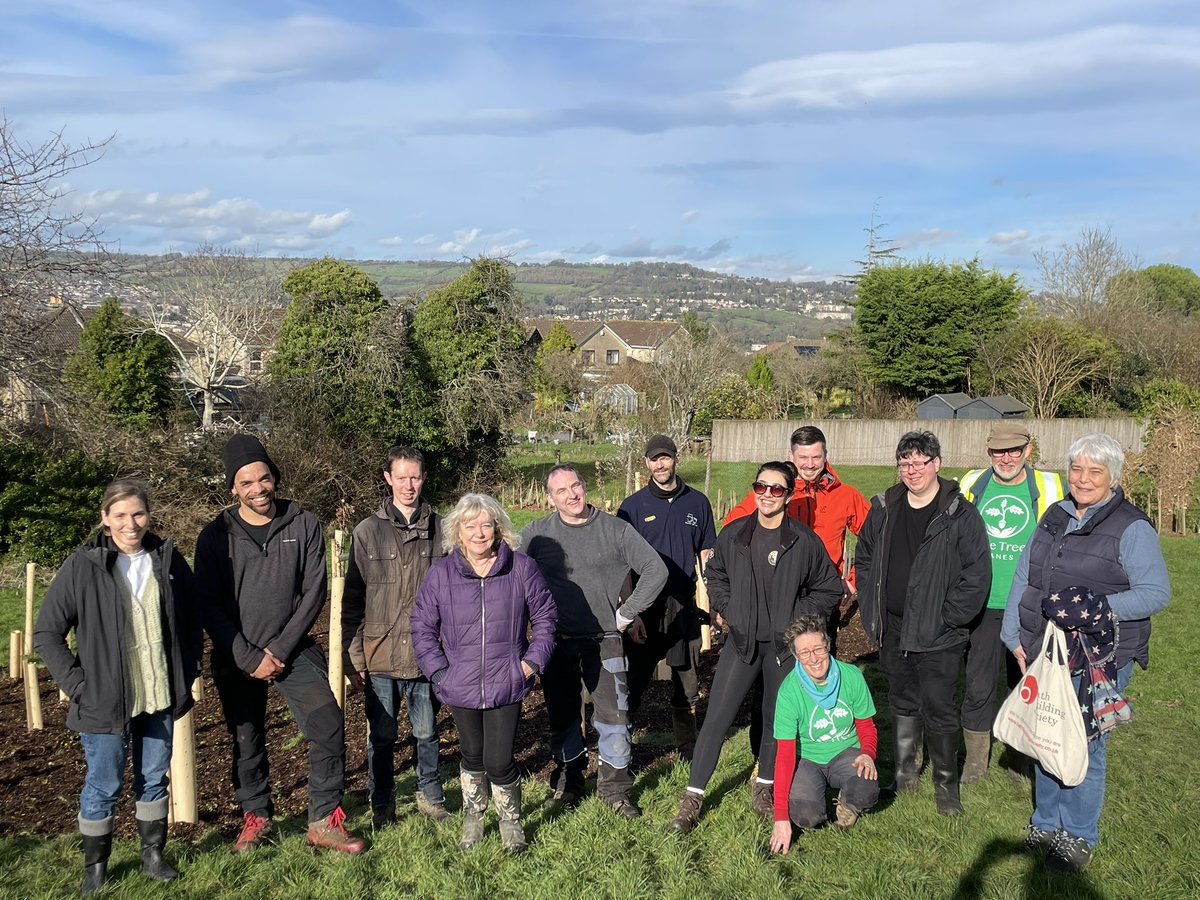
{"x":1075,"y":275}
{"x":43,"y":244}
{"x":687,"y":371}
{"x":219,"y":309}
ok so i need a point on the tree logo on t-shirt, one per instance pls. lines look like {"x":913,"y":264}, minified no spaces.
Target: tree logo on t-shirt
{"x":1005,"y":516}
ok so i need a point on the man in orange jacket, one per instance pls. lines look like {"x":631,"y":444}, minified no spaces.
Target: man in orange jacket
{"x":820,"y":500}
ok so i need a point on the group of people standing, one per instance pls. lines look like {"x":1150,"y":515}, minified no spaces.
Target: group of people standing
{"x":462,"y":610}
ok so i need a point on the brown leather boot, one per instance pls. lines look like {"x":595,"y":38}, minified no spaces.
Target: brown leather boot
{"x":688,"y":816}
{"x":330,"y":834}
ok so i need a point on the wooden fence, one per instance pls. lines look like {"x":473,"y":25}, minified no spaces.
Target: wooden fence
{"x":860,"y":442}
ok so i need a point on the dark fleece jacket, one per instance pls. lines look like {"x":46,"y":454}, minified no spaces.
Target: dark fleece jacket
{"x":84,"y":596}
{"x":254,"y":598}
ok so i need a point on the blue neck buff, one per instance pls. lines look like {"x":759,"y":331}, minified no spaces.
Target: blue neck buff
{"x":824,"y":695}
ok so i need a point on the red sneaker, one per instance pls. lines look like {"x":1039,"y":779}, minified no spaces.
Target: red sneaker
{"x":255,"y":832}
{"x":331,"y":834}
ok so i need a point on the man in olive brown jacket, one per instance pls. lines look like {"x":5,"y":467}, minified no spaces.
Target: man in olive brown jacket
{"x":391,"y":553}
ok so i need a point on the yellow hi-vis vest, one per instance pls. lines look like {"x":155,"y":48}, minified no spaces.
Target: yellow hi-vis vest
{"x":1045,"y":488}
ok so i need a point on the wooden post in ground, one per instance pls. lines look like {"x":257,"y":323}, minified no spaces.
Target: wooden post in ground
{"x":33,"y":698}
{"x":16,"y":649}
{"x":702,"y":604}
{"x":708,"y":470}
{"x":183,"y":769}
{"x":337,"y":675}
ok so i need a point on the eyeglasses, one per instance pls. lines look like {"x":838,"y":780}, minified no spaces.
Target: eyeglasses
{"x":1013,"y":452}
{"x":775,"y":490}
{"x":810,"y":655}
{"x":913,"y":466}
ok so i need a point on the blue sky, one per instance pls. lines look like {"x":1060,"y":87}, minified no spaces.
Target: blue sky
{"x":748,"y":137}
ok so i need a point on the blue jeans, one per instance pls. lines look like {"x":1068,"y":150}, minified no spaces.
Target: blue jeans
{"x":1076,"y":810}
{"x":150,"y":735}
{"x":382,"y":700}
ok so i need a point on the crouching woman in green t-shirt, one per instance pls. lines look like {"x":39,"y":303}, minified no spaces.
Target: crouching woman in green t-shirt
{"x":826,"y":706}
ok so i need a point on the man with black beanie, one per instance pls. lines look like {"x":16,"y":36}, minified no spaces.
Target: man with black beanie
{"x":260,"y":583}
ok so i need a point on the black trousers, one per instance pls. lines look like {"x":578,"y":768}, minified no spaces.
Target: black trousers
{"x":921,"y":684}
{"x":305,"y":686}
{"x":732,"y":681}
{"x":487,"y":738}
{"x":986,"y":655}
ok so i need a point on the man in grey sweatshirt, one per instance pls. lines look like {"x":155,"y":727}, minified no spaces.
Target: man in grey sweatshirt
{"x":586,"y":557}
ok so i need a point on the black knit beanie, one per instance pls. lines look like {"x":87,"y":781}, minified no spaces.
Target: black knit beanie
{"x":241,"y":450}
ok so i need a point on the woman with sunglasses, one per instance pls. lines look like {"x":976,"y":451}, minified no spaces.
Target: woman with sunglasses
{"x":766,"y":570}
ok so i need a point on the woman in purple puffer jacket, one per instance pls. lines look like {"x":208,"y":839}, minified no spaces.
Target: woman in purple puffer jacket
{"x":470,"y":628}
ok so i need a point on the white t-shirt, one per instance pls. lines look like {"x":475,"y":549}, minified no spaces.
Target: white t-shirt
{"x":135,"y":567}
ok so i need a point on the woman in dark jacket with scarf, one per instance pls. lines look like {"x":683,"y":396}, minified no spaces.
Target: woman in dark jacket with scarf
{"x":765,"y":571}
{"x":1093,"y":552}
{"x":127,"y":594}
{"x":470,"y":625}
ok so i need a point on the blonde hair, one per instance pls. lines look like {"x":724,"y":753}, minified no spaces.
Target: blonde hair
{"x":469,"y":507}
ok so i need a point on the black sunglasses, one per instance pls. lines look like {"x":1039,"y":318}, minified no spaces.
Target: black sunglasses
{"x":775,"y":490}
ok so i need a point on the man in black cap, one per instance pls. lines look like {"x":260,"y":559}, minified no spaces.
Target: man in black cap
{"x":677,"y":521}
{"x":260,"y":582}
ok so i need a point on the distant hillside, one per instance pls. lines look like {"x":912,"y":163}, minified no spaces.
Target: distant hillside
{"x":752,"y":310}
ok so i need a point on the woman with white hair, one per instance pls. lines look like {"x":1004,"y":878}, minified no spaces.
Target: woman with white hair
{"x":470,"y":627}
{"x":1094,"y":564}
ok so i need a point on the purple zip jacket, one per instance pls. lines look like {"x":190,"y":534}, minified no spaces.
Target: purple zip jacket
{"x":470,"y":632}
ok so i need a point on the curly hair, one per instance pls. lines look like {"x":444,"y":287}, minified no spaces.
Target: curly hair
{"x":806,"y":624}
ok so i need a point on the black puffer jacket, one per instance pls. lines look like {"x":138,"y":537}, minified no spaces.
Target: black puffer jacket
{"x":805,"y":580}
{"x":84,"y":596}
{"x":950,"y":577}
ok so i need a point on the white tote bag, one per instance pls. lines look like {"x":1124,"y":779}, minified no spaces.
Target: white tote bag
{"x":1041,"y":717}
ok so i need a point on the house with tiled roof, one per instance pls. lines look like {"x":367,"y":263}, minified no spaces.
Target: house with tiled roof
{"x":619,"y":341}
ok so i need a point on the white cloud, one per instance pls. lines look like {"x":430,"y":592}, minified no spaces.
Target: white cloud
{"x":197,"y":217}
{"x":393,"y":241}
{"x":689,"y":216}
{"x":463,"y":240}
{"x":425,"y":240}
{"x":1009,"y":237}
{"x":300,"y":48}
{"x":925,"y":237}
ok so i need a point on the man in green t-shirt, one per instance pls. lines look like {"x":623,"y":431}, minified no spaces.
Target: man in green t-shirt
{"x":1011,"y":497}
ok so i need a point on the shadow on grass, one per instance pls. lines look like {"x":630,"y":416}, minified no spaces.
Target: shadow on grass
{"x":1038,"y":884}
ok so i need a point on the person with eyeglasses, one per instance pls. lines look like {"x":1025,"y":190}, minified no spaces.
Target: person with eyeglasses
{"x":1012,"y":497}
{"x":924,"y":569}
{"x":765,"y":571}
{"x":825,"y":711}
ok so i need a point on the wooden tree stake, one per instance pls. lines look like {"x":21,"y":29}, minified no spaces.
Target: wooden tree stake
{"x":183,"y":769}
{"x":702,"y":604}
{"x":33,"y":697}
{"x":16,"y":649}
{"x":337,"y":676}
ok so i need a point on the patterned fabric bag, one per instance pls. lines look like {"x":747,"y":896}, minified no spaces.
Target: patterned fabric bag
{"x":1110,"y":707}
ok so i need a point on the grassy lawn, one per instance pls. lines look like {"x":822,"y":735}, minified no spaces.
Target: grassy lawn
{"x":1150,"y":846}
